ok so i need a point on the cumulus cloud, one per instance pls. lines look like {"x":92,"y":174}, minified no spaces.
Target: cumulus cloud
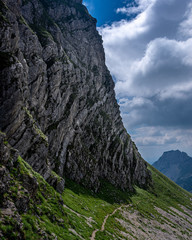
{"x":151,"y":59}
{"x":135,"y":7}
{"x":185,"y":28}
{"x":166,"y":64}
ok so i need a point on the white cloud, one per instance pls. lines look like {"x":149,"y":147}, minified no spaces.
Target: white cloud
{"x":166,"y":63}
{"x":136,"y":7}
{"x":151,"y":59}
{"x":185,"y":27}
{"x":180,"y":91}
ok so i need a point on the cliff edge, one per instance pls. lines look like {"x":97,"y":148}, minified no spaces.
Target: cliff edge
{"x":57,"y":100}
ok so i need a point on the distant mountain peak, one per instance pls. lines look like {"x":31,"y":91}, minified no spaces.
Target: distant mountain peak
{"x":177,"y":166}
{"x":174,"y":152}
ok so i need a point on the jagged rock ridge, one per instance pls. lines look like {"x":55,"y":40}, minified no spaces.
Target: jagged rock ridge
{"x":57,"y":100}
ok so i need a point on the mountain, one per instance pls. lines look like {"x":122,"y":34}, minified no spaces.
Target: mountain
{"x":68,"y":168}
{"x":177,"y":166}
{"x":57,"y":99}
{"x":31,"y":209}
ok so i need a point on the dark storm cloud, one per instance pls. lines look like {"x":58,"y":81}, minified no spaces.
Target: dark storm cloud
{"x":169,"y":112}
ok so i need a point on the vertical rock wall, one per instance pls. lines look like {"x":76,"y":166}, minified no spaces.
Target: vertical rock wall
{"x":57,"y":100}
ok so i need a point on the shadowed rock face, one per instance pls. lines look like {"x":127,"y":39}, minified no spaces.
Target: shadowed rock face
{"x":57,"y":100}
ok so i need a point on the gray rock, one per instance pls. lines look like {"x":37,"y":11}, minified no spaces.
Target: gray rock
{"x":57,"y":99}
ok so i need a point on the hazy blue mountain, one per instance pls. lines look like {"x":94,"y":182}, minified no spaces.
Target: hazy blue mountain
{"x":177,"y":166}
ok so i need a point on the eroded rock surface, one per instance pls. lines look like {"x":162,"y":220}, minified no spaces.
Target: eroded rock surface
{"x":57,"y":100}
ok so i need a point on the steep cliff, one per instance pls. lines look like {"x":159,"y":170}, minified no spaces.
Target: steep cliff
{"x":57,"y":100}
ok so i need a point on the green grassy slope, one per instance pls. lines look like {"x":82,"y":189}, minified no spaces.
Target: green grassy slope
{"x":164,"y":194}
{"x":78,"y":212}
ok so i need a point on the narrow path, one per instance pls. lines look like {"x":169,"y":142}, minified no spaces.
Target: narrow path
{"x":105,"y":220}
{"x":94,"y":233}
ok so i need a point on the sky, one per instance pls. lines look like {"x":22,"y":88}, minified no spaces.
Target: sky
{"x":105,"y":10}
{"x":148,"y":47}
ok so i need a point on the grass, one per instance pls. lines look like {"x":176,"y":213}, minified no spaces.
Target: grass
{"x":35,"y":126}
{"x":167,"y":192}
{"x":86,"y":202}
{"x":164,"y":194}
{"x":46,"y":203}
{"x":51,"y":214}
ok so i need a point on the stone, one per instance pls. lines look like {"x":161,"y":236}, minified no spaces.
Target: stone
{"x":57,"y":99}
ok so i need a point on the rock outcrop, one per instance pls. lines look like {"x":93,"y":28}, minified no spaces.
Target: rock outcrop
{"x":8,"y":188}
{"x":57,"y":100}
{"x":24,"y":198}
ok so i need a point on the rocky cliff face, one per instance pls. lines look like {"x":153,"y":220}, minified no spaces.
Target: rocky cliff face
{"x":57,"y":100}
